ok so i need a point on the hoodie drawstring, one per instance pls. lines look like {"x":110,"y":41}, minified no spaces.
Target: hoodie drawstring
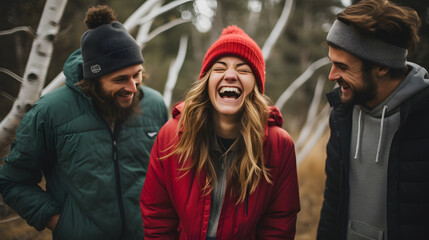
{"x":358,"y":136}
{"x":381,"y":133}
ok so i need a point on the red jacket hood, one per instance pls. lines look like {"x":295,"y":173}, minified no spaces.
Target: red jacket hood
{"x":274,"y":119}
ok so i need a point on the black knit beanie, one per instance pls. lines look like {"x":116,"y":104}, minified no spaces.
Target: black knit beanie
{"x":107,"y":46}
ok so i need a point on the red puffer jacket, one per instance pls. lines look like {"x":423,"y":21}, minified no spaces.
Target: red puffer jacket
{"x":173,"y":207}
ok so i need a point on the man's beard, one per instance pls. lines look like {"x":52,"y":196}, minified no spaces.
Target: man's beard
{"x":109,"y":107}
{"x":365,"y":93}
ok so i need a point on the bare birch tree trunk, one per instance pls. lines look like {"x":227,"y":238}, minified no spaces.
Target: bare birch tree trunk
{"x":35,"y":72}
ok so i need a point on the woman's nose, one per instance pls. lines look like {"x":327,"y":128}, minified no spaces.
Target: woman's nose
{"x":231,"y":73}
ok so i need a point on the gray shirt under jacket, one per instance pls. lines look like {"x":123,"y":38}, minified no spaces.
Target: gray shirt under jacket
{"x":221,"y":159}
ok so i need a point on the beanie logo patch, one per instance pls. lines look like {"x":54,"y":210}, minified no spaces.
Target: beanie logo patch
{"x":95,"y":68}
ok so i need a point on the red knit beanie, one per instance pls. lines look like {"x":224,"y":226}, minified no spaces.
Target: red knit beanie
{"x":235,"y":42}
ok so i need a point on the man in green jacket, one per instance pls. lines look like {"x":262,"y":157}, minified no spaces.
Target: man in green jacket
{"x":90,"y":139}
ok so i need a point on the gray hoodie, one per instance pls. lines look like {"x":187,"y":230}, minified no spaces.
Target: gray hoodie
{"x":371,"y":138}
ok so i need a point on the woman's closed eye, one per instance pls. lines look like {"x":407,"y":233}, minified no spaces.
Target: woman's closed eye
{"x":244,"y":70}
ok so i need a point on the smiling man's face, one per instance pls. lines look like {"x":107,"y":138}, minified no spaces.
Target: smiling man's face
{"x":357,"y":86}
{"x":121,"y":85}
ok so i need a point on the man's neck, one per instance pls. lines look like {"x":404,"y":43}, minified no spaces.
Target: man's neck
{"x":385,"y":87}
{"x":111,"y":122}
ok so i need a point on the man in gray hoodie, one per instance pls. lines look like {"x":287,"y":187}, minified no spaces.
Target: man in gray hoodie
{"x":377,"y":164}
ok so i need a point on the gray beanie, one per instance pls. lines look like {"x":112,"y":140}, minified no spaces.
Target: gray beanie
{"x":108,"y":48}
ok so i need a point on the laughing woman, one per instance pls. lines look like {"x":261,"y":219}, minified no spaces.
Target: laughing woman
{"x":222,"y":167}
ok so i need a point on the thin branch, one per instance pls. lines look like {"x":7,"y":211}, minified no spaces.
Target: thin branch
{"x":11,"y":74}
{"x":308,"y":129}
{"x":132,"y":20}
{"x":300,"y":80}
{"x":163,"y":28}
{"x":315,"y":102}
{"x":312,"y":112}
{"x":323,"y":124}
{"x":7,"y":96}
{"x":10,"y":219}
{"x":163,"y":9}
{"x":26,"y":29}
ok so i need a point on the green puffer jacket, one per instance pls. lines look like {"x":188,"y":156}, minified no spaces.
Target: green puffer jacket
{"x":93,"y":177}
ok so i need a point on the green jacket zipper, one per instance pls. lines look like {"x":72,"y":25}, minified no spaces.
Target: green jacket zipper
{"x":118,"y":179}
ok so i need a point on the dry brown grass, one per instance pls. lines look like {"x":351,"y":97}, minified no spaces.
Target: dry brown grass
{"x":311,"y":179}
{"x":20,"y":230}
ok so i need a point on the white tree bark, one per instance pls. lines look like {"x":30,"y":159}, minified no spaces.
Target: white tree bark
{"x":143,"y":33}
{"x":144,"y":9}
{"x":26,"y":29}
{"x":311,"y":114}
{"x":174,"y":70}
{"x":161,"y":10}
{"x":35,"y":71}
{"x":277,"y":30}
{"x":144,"y":28}
{"x":59,"y":80}
{"x":322,"y":121}
{"x":161,"y":29}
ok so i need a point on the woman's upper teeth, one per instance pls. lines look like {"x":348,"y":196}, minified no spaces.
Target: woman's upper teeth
{"x":230,"y":89}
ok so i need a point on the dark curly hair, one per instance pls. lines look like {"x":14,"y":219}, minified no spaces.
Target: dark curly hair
{"x":99,"y":15}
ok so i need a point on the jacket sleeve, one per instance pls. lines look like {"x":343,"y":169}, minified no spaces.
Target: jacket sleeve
{"x":328,"y":225}
{"x":279,"y":221}
{"x":22,"y":171}
{"x":160,"y":220}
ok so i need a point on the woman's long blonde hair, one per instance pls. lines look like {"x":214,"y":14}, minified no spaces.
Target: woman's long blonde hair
{"x":196,"y":125}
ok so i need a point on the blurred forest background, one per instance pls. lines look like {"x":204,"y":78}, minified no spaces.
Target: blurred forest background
{"x":301,"y":43}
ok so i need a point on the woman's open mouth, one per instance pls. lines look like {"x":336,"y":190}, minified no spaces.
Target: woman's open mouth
{"x":229,"y":92}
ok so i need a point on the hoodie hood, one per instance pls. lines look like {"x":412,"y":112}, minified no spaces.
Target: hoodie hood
{"x":73,"y":70}
{"x":384,"y":118}
{"x":416,"y":80}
